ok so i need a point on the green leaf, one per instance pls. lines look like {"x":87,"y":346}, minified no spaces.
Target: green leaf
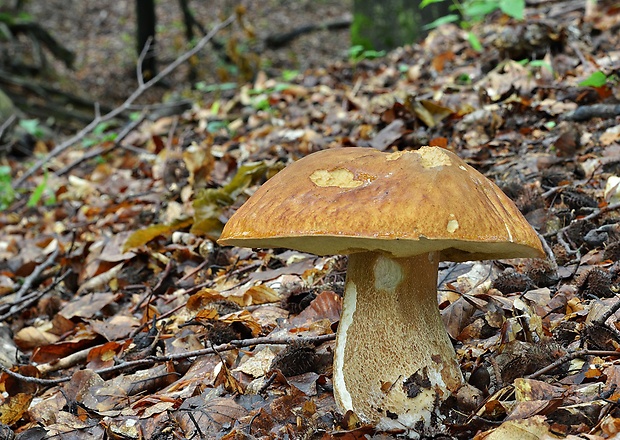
{"x":597,"y":79}
{"x":474,"y":41}
{"x":289,"y":75}
{"x":479,"y":10}
{"x":425,"y":3}
{"x":37,"y":194}
{"x":513,"y":8}
{"x":542,"y":64}
{"x":101,"y":128}
{"x":450,"y":18}
{"x":208,"y":88}
{"x":7,"y":195}
{"x":32,"y":127}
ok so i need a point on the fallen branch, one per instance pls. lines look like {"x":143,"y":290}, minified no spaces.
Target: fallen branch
{"x":38,"y":33}
{"x":36,"y":273}
{"x":605,"y":111}
{"x":101,"y":151}
{"x":151,"y":360}
{"x":143,"y":86}
{"x":28,"y":300}
{"x":7,"y":123}
{"x":276,"y":41}
{"x":569,"y":357}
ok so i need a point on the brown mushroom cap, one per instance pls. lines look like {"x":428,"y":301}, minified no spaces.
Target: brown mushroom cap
{"x":348,"y":200}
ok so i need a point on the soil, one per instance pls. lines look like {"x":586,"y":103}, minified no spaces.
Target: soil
{"x":101,"y":34}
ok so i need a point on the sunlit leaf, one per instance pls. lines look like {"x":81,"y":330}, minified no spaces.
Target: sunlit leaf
{"x":143,"y":236}
{"x":513,"y":8}
{"x":474,"y":41}
{"x":597,"y":79}
{"x":450,"y":18}
{"x":425,"y":3}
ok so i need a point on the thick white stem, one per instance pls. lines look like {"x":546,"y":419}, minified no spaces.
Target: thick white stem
{"x":394,"y":363}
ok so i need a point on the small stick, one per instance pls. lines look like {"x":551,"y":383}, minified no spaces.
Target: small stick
{"x":36,"y":273}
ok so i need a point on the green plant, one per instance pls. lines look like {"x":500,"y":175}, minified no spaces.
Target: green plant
{"x":537,"y":63}
{"x":40,"y":191}
{"x":357,"y":53}
{"x":100,"y":135}
{"x":7,"y":194}
{"x":473,"y":11}
{"x":32,"y":127}
{"x":289,"y":75}
{"x":598,"y":79}
{"x":470,"y":12}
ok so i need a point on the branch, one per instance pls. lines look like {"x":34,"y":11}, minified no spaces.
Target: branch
{"x":179,"y":356}
{"x":40,"y":34}
{"x":101,"y":151}
{"x":569,"y":357}
{"x":124,"y":106}
{"x":30,"y":279}
{"x":276,"y":41}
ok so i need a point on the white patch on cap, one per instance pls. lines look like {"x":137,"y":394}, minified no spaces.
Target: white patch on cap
{"x":433,"y":157}
{"x":340,"y":177}
{"x":453,"y":224}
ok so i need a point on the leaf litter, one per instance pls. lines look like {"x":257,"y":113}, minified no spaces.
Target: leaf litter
{"x":143,"y":327}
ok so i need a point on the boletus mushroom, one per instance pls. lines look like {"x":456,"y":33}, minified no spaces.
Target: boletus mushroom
{"x":396,"y":215}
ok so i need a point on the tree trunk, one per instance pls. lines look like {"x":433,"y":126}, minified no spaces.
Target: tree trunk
{"x":146,"y":21}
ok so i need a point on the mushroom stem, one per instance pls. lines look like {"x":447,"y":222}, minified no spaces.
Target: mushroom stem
{"x":393,"y":362}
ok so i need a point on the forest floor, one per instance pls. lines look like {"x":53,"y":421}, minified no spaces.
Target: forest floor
{"x":102,"y":36}
{"x":122,"y":317}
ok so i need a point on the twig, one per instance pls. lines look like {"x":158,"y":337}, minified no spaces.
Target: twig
{"x":26,"y":301}
{"x":603,"y":210}
{"x":548,"y":251}
{"x":66,"y":362}
{"x":605,"y":316}
{"x":145,"y":50}
{"x":569,"y":357}
{"x":101,"y":151}
{"x":36,"y":273}
{"x":124,"y":106}
{"x":6,"y":124}
{"x":276,"y":41}
{"x":179,"y":356}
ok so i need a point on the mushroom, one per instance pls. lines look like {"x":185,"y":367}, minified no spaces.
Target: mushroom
{"x":396,"y":215}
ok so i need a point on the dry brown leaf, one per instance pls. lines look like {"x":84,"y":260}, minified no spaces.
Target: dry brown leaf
{"x":14,"y":407}
{"x":533,"y":428}
{"x":211,"y":415}
{"x":31,"y":337}
{"x":327,"y":305}
{"x":88,"y":305}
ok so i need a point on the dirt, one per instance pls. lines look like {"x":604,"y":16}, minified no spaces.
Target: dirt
{"x":101,"y":34}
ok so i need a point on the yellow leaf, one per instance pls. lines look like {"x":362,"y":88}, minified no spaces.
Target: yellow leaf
{"x":143,"y":236}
